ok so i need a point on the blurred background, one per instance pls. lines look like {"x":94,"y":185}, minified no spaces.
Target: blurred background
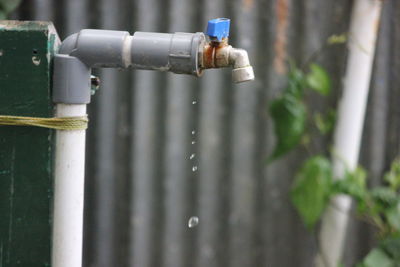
{"x":163,"y":147}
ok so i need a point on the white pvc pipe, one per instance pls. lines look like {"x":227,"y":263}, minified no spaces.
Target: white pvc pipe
{"x":69,"y":192}
{"x":348,"y":132}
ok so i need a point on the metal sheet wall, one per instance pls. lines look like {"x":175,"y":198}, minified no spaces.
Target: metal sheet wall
{"x":141,"y":189}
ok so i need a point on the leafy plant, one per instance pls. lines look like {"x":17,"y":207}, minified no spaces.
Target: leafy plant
{"x":318,"y":79}
{"x":7,"y":6}
{"x":325,"y":123}
{"x":289,"y":112}
{"x":314,"y":184}
{"x":311,"y":190}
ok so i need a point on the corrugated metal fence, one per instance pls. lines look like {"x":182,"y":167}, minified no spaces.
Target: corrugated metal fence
{"x":141,"y":187}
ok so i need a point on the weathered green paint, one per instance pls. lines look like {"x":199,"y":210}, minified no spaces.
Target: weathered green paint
{"x":26,"y":177}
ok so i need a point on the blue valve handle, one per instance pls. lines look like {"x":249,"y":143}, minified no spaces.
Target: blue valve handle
{"x":218,"y":28}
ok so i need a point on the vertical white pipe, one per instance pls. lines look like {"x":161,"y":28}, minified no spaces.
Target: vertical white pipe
{"x":348,"y":133}
{"x":69,"y":192}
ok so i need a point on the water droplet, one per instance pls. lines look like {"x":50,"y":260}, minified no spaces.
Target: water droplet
{"x":193,"y":221}
{"x":193,"y":132}
{"x":194,"y":102}
{"x":194,"y":168}
{"x":192,"y":156}
{"x":193,"y":142}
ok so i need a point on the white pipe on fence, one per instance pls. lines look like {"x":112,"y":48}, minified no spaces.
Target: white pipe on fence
{"x":69,"y":191}
{"x":348,"y":133}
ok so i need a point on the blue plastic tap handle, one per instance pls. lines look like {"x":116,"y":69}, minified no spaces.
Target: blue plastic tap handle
{"x":218,"y":28}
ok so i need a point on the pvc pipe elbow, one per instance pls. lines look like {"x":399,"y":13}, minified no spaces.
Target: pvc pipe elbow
{"x":69,"y":44}
{"x":99,"y":48}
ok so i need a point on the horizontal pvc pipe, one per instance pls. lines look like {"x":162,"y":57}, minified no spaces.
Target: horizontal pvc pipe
{"x":176,"y":52}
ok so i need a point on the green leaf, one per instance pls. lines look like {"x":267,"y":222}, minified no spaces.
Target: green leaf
{"x":385,"y":197}
{"x":3,"y":15}
{"x":289,"y":117}
{"x":358,"y":177}
{"x":353,"y":184}
{"x":393,"y":176}
{"x":7,"y":6}
{"x":393,"y":217}
{"x":392,"y":247}
{"x":296,"y":82}
{"x":337,"y":39}
{"x":378,"y":258}
{"x":311,"y":189}
{"x":325,"y":123}
{"x":318,"y":80}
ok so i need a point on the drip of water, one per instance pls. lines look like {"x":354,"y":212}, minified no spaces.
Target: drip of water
{"x":193,"y":221}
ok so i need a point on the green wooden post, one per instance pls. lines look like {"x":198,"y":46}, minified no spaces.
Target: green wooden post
{"x":26,"y":171}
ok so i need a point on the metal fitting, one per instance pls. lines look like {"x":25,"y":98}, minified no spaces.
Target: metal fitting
{"x":242,"y":71}
{"x":220,"y":55}
{"x":95,"y":84}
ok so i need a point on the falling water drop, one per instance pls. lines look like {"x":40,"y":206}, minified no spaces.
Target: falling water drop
{"x":194,"y":168}
{"x":193,"y":221}
{"x":193,"y":142}
{"x":192,"y":156}
{"x":194,"y":102}
{"x":193,"y":132}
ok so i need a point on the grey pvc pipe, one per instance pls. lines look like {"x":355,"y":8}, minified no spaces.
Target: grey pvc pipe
{"x":178,"y":53}
{"x":167,"y":52}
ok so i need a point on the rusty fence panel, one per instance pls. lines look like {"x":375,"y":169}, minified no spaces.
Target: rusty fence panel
{"x":141,"y":188}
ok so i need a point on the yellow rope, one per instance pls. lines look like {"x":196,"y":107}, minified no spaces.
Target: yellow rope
{"x":65,"y":123}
